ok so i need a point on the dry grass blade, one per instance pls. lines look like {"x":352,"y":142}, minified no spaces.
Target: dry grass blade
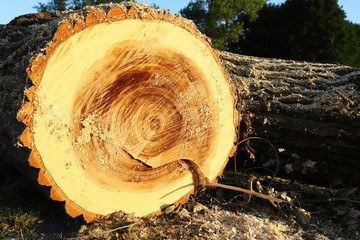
{"x":102,"y":232}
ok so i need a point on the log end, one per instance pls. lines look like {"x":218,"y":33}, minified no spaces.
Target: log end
{"x":121,"y":94}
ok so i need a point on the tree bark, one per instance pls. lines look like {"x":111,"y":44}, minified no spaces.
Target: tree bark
{"x":309,"y":110}
{"x":118,"y":105}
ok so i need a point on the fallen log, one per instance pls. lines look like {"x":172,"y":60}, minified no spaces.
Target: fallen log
{"x":104,"y":145}
{"x":310,"y":111}
{"x":110,"y":99}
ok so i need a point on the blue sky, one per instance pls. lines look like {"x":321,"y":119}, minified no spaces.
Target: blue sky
{"x":11,"y":9}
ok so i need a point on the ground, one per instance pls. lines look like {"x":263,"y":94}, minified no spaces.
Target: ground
{"x":314,"y":213}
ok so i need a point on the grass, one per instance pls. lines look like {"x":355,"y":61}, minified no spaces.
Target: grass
{"x":26,"y":214}
{"x":16,"y":223}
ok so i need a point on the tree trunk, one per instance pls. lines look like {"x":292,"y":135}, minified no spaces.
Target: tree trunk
{"x":309,"y":110}
{"x":116,"y":103}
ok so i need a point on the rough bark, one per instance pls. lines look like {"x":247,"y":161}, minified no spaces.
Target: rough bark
{"x":119,"y":104}
{"x":310,"y":110}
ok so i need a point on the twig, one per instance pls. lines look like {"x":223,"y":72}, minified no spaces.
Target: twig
{"x":330,"y":200}
{"x":22,"y":236}
{"x":349,"y":102}
{"x":199,"y":179}
{"x":274,"y":150}
{"x":247,"y":197}
{"x":271,"y":198}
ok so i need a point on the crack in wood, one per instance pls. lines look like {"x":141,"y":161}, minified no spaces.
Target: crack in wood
{"x":138,"y":160}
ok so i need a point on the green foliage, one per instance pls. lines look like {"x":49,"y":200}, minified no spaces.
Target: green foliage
{"x":154,"y":5}
{"x":222,"y":20}
{"x":351,"y":54}
{"x":53,"y":5}
{"x":310,"y":30}
{"x":61,"y":5}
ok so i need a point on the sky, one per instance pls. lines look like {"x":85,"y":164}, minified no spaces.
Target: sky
{"x":14,"y":8}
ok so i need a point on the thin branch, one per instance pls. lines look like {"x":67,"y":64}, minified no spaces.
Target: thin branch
{"x":199,"y":179}
{"x":274,"y":150}
{"x":271,"y":198}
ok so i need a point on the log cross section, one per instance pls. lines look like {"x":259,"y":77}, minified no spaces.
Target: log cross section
{"x":119,"y":94}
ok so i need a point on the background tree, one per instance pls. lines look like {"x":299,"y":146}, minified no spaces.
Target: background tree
{"x":53,"y":5}
{"x":351,"y":54}
{"x":222,"y":20}
{"x":311,"y":30}
{"x":61,"y":5}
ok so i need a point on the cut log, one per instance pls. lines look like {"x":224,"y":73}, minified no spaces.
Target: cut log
{"x":119,"y":98}
{"x":116,"y":96}
{"x":309,"y":110}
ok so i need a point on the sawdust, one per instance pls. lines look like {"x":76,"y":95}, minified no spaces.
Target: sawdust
{"x":203,"y":222}
{"x":221,"y":224}
{"x":90,"y":130}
